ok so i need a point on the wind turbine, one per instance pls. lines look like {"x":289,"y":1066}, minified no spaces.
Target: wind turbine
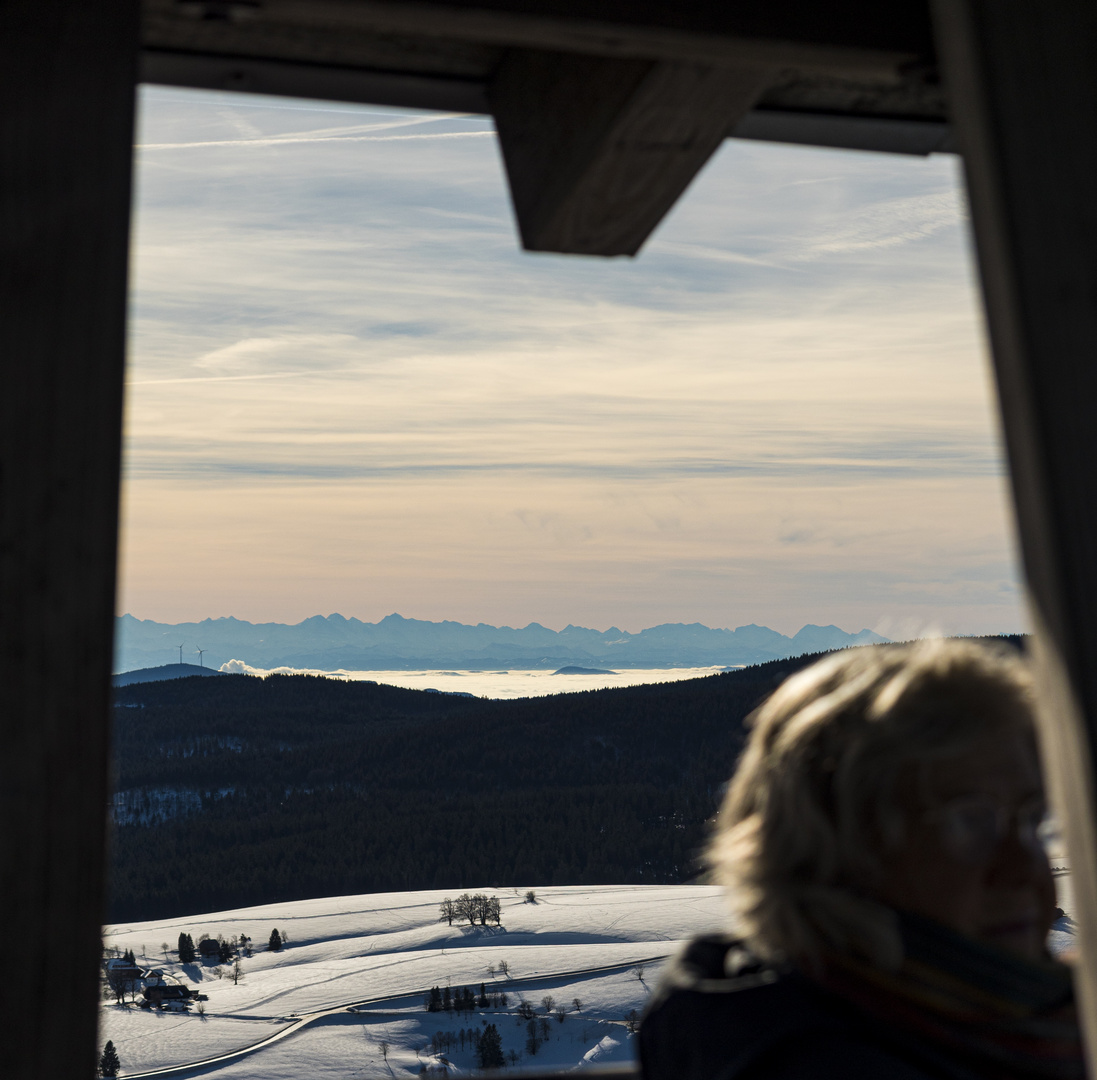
{"x":200,"y":652}
{"x":181,"y":652}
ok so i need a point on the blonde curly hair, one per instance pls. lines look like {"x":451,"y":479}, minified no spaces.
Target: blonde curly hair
{"x":814,"y":803}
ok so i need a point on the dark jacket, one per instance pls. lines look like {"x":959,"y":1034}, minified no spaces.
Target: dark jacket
{"x":720,"y":1014}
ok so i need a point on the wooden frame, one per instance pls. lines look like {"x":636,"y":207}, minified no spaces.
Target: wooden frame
{"x":1021,"y":101}
{"x":1022,"y":78}
{"x":66,"y":135}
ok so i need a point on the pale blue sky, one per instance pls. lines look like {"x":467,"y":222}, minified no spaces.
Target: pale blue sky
{"x":350,"y":391}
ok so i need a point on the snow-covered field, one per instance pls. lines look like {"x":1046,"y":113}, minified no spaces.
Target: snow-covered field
{"x":356,"y":970}
{"x":380,"y":954}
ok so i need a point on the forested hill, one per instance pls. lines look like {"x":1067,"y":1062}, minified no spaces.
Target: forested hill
{"x":238,"y":790}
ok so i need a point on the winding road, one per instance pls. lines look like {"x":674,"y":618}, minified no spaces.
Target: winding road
{"x":195,"y":1068}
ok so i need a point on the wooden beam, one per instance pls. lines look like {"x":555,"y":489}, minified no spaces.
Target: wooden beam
{"x":1022,"y":82}
{"x":597,"y":151}
{"x":325,"y":82}
{"x":843,"y":131}
{"x":846,"y":35}
{"x":66,"y":132}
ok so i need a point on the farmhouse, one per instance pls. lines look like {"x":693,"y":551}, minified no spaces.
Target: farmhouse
{"x":118,"y":968}
{"x":160,"y":991}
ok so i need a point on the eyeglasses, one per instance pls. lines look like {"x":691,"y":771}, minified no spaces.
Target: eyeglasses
{"x":973,"y":826}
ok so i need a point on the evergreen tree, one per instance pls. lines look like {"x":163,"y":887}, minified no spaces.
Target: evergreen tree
{"x":434,"y":1000}
{"x":447,"y":999}
{"x":109,"y":1063}
{"x":224,"y":951}
{"x":490,"y":1052}
{"x":186,"y":949}
{"x":483,"y":1002}
{"x":275,"y":942}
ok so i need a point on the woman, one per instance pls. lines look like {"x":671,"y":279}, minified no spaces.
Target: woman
{"x":881,"y":842}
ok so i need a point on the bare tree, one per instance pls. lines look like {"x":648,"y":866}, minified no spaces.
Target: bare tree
{"x":547,"y":1002}
{"x":632,"y":1021}
{"x":640,"y":972}
{"x":120,"y":983}
{"x":504,"y":969}
{"x":237,"y":974}
{"x":561,"y":1014}
{"x":578,"y":1004}
{"x":531,"y":897}
{"x":383,"y":1046}
{"x":464,"y":907}
{"x":166,"y":950}
{"x":447,"y":910}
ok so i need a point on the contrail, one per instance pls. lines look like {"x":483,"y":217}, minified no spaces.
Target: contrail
{"x":283,"y":140}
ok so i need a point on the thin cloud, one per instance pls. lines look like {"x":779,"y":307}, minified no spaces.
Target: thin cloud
{"x":700,"y":251}
{"x":220,"y":378}
{"x":886,"y":224}
{"x":323,"y":351}
{"x":796,"y":354}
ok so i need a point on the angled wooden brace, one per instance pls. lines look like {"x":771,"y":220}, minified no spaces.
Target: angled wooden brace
{"x":598,"y":150}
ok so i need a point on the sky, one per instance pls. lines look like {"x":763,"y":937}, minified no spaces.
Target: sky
{"x":350,"y":391}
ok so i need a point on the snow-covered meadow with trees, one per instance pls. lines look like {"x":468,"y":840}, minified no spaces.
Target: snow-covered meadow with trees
{"x":561,"y":978}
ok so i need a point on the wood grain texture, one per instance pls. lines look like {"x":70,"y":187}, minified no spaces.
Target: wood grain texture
{"x":845,"y":35}
{"x":66,"y":83}
{"x":1022,"y":84}
{"x":597,"y":151}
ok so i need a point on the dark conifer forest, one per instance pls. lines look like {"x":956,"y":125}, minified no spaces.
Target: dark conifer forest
{"x":237,"y":790}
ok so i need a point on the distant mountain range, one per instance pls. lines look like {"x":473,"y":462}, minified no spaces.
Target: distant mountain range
{"x":397,"y":644}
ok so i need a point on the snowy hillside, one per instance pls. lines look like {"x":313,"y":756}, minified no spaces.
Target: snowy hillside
{"x":356,"y":970}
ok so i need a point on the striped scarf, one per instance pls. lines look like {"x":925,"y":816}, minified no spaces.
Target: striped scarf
{"x":1002,"y":1016}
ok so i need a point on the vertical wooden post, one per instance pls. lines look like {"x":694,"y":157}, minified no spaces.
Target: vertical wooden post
{"x":1022,"y":83}
{"x":67,"y":71}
